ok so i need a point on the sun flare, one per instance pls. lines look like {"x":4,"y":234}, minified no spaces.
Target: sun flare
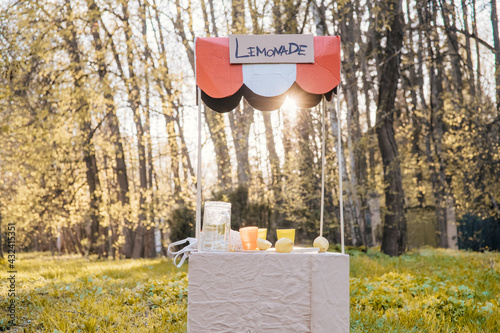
{"x":289,"y":105}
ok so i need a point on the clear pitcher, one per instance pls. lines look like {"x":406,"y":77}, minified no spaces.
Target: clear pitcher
{"x":216,"y":226}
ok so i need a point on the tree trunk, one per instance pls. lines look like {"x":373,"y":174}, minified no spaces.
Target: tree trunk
{"x":308,"y":169}
{"x":496,"y":44}
{"x":240,"y":121}
{"x":351,"y":207}
{"x":436,"y":105}
{"x":470,"y":68}
{"x":371,"y":50}
{"x":359,"y":225}
{"x":357,"y":157}
{"x":318,"y":10}
{"x":439,"y":199}
{"x":448,"y":14}
{"x":76,"y":239}
{"x":478,"y":55}
{"x":85,"y":124}
{"x":149,"y":236}
{"x":69,"y":245}
{"x":174,"y":147}
{"x":415,"y":82}
{"x":112,"y":199}
{"x":165,"y":92}
{"x":277,"y":26}
{"x":94,"y":188}
{"x":123,"y":186}
{"x":215,"y":121}
{"x":290,"y":13}
{"x":435,"y":134}
{"x":238,"y":17}
{"x":134,"y":95}
{"x":215,"y":32}
{"x":451,"y":224}
{"x":394,"y":234}
{"x":149,"y":244}
{"x":115,"y":134}
{"x":186,"y":159}
{"x":285,"y":13}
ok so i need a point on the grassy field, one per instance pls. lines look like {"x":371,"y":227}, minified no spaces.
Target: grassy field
{"x":424,"y":291}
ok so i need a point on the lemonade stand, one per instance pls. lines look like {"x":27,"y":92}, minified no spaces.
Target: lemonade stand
{"x":266,"y":291}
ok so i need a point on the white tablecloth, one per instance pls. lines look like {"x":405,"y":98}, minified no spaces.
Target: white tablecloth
{"x":268,"y":292}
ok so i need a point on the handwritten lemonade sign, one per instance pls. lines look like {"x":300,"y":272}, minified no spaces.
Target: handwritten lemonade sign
{"x":252,"y":49}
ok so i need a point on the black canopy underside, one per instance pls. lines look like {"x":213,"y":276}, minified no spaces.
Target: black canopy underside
{"x":302,"y":99}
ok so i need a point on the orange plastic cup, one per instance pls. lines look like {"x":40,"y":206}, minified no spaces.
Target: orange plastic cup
{"x":263,"y":233}
{"x":249,"y":237}
{"x":286,"y":233}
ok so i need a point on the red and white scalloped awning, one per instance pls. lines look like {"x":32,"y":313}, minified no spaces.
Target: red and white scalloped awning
{"x":265,"y":86}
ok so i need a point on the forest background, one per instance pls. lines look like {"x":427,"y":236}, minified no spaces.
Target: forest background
{"x":98,"y":140}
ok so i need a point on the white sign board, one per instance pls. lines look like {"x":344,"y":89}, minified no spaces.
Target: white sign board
{"x":265,"y":49}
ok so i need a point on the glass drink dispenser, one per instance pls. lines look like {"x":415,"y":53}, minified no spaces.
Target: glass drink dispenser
{"x":216,"y":226}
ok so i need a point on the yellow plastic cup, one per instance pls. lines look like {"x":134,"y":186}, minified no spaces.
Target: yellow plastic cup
{"x":263,"y":233}
{"x":286,"y":233}
{"x":249,"y":238}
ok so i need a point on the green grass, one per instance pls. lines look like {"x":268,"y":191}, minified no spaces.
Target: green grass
{"x":428,"y":290}
{"x":80,"y":295}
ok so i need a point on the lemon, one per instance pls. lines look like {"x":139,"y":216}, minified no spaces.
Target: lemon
{"x":322,"y":243}
{"x":284,"y":245}
{"x":263,"y":244}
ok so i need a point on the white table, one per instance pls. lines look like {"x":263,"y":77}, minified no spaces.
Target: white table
{"x":268,"y":292}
